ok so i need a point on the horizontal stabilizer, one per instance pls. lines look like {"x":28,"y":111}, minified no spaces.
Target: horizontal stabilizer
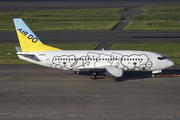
{"x":24,"y":54}
{"x":18,"y":49}
{"x":28,"y":55}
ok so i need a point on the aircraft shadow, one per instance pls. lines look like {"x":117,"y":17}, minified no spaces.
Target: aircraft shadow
{"x":141,"y":75}
{"x":132,"y":75}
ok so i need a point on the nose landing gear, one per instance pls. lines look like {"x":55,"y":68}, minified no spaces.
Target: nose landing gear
{"x":155,"y":72}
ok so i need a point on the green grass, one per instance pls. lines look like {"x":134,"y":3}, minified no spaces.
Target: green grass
{"x":73,"y":25}
{"x":153,"y":25}
{"x":104,"y":14}
{"x":15,"y":61}
{"x":8,"y":48}
{"x":173,"y":16}
{"x":160,"y":8}
{"x":156,"y":18}
{"x":84,"y":19}
{"x":62,"y":25}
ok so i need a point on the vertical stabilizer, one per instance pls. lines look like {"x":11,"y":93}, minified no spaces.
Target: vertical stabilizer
{"x":28,"y":40}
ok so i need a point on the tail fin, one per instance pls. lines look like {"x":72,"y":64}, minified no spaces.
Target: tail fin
{"x":28,"y":40}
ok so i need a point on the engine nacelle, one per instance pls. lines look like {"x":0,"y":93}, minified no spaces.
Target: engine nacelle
{"x":114,"y":72}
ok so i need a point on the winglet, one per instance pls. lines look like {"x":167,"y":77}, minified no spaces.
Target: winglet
{"x":28,"y":40}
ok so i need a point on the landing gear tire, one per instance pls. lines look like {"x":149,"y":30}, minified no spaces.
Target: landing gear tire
{"x":93,"y":77}
{"x":153,"y":75}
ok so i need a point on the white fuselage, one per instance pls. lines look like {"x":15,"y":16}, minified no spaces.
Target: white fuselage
{"x":127,"y":59}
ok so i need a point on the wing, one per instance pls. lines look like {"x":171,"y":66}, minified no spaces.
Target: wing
{"x":109,"y":71}
{"x":90,"y":69}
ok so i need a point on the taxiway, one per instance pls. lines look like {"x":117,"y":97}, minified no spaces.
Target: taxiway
{"x":33,"y":92}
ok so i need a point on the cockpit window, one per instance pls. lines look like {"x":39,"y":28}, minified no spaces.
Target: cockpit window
{"x":161,"y":58}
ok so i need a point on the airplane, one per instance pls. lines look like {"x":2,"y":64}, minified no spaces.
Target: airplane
{"x":112,"y":63}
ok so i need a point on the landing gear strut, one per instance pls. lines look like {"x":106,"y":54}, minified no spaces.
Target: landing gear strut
{"x":93,"y":76}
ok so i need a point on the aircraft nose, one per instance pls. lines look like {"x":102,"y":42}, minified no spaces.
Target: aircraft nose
{"x":170,"y":63}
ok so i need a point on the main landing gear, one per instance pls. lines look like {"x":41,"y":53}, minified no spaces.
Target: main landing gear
{"x":94,"y":75}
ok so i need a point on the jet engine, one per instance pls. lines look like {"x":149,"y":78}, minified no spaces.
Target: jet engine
{"x":114,"y":72}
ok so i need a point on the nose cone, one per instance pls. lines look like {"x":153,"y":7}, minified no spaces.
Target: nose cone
{"x":170,"y":63}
